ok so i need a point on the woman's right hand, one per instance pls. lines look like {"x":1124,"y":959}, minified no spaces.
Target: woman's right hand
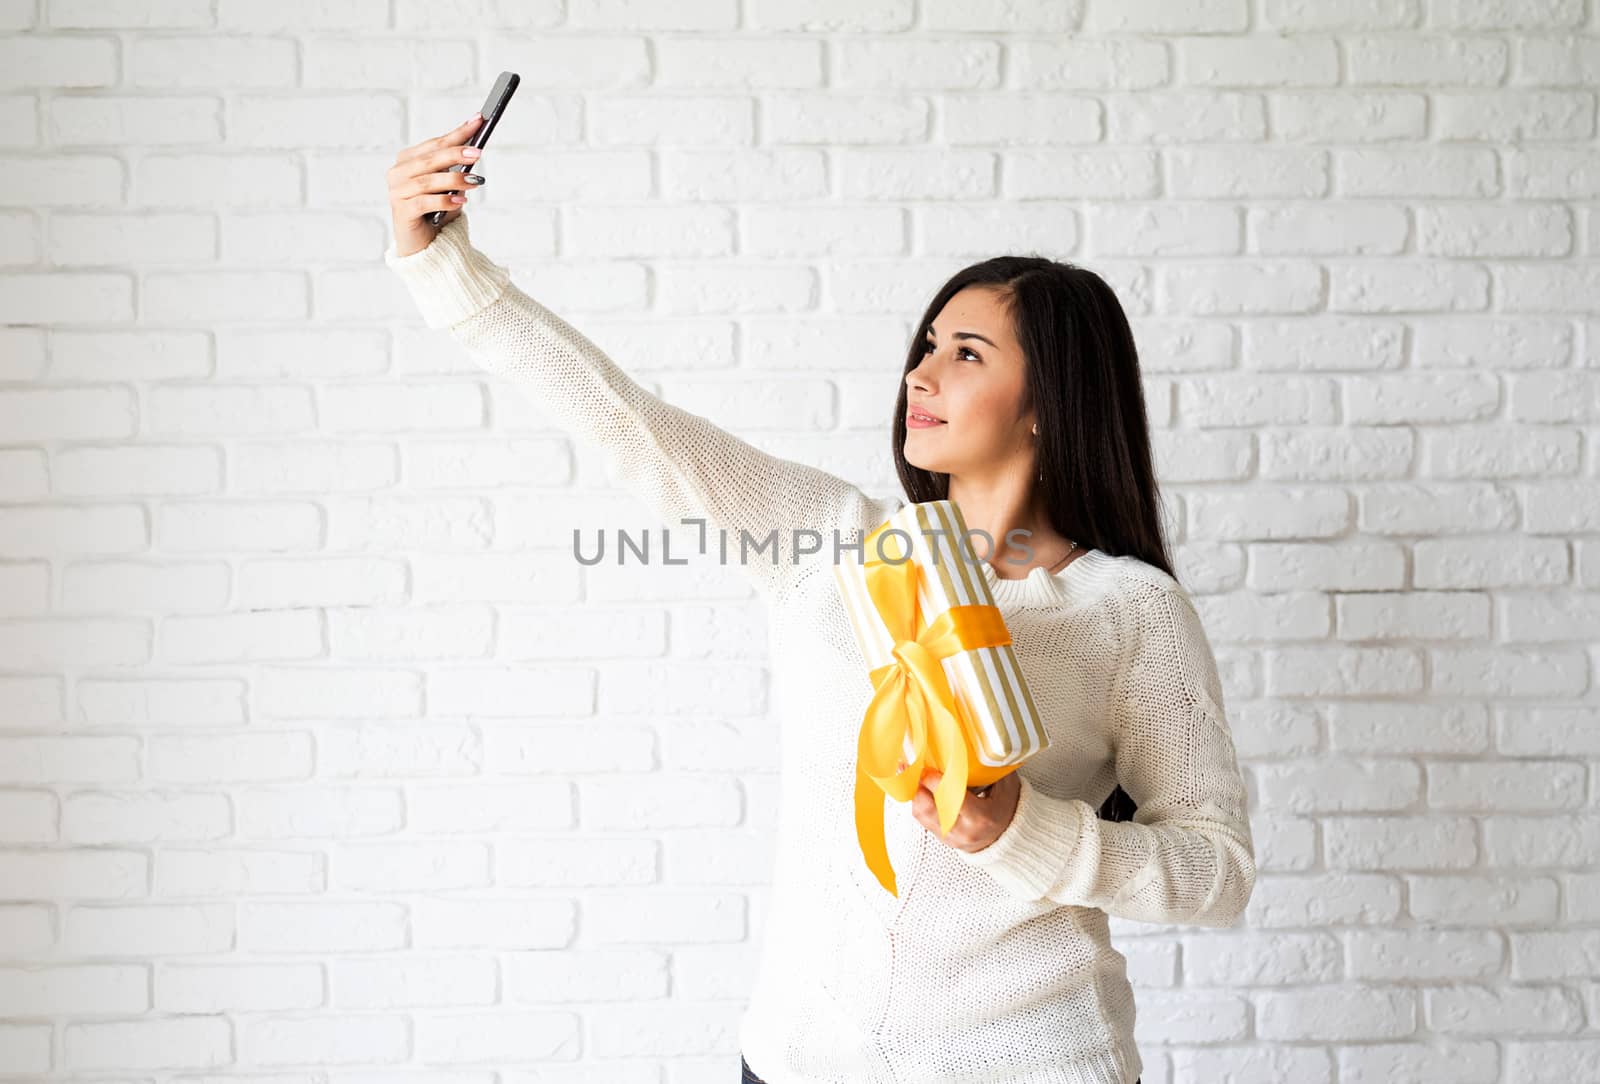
{"x":420,"y":181}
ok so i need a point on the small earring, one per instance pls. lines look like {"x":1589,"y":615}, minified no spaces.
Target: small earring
{"x":1035,"y":428}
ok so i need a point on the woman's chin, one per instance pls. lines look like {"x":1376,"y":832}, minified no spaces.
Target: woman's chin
{"x":932,"y":464}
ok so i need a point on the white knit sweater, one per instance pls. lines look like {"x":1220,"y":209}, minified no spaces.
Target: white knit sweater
{"x":994,"y":966}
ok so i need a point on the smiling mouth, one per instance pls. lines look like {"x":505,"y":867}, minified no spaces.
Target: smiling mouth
{"x":916,"y":415}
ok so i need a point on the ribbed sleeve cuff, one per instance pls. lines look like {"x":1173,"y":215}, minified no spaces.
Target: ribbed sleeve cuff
{"x":449,"y":280}
{"x":1028,"y":857}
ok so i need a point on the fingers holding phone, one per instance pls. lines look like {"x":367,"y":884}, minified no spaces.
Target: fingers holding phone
{"x":428,"y":177}
{"x":427,"y":181}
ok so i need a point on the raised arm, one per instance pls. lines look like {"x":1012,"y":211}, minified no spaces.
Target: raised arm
{"x":678,"y":463}
{"x":1187,"y":856}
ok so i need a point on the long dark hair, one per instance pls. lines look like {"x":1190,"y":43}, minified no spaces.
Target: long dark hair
{"x":1083,"y":383}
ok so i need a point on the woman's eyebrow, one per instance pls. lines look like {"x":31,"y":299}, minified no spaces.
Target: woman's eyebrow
{"x":963,"y":335}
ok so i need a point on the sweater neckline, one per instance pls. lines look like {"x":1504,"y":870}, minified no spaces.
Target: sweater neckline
{"x":1043,"y":587}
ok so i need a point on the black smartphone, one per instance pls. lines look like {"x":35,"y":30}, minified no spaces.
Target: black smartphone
{"x":495,"y":104}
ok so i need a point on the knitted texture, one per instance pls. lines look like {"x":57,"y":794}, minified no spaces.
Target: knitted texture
{"x":995,"y":966}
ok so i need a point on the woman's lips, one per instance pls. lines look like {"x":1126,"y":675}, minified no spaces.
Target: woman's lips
{"x":914,"y":420}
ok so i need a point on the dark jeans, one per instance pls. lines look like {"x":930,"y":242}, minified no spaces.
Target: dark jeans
{"x":747,"y":1076}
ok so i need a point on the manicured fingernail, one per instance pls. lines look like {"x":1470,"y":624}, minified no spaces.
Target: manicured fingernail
{"x":472,"y":178}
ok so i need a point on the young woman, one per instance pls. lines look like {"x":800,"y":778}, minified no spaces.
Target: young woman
{"x":1021,"y":401}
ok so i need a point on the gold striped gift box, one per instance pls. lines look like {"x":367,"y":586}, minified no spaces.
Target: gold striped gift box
{"x":982,"y":685}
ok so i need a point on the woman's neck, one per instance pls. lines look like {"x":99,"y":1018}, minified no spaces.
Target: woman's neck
{"x":1009,"y":505}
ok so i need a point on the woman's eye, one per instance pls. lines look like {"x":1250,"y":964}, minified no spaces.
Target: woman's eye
{"x":926,"y":346}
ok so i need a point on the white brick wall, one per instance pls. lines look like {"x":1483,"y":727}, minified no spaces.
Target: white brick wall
{"x":320,"y":753}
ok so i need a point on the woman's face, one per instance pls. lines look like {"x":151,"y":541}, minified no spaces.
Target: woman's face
{"x":976,"y":386}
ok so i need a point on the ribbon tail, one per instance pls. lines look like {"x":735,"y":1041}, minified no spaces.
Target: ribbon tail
{"x":869,"y":831}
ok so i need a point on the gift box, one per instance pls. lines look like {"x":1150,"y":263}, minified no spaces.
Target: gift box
{"x":948,"y":694}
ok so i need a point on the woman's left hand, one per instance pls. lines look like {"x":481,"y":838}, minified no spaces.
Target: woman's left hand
{"x":981,"y":820}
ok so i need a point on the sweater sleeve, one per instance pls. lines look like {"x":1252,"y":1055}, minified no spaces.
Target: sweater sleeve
{"x":681,"y":465}
{"x":1187,"y":856}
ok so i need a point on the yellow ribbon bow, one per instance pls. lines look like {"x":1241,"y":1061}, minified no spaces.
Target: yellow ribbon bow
{"x":913,"y":692}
